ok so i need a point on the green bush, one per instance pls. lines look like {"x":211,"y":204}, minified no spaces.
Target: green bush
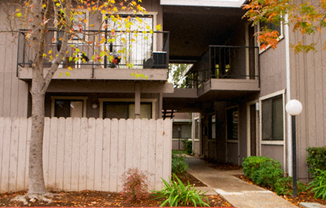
{"x":316,"y":159}
{"x":188,"y":146}
{"x":318,"y":184}
{"x":179,"y":164}
{"x":177,"y":194}
{"x":284,"y":186}
{"x":262,"y":170}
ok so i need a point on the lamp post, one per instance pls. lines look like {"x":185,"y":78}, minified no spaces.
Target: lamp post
{"x":294,"y":108}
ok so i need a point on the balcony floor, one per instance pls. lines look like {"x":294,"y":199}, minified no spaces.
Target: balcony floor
{"x":86,"y":73}
{"x":196,"y":100}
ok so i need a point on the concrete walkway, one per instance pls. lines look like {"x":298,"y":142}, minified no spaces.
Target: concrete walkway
{"x":236,"y":191}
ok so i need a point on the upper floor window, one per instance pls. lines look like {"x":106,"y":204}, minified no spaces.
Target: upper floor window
{"x":272,"y":27}
{"x":80,"y":24}
{"x":131,"y":37}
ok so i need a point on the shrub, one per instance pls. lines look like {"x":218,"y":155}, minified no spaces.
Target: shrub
{"x":262,"y":170}
{"x":188,"y":146}
{"x":316,"y":159}
{"x":284,"y":186}
{"x":177,"y":194}
{"x":318,"y":184}
{"x":135,"y":185}
{"x":179,"y":164}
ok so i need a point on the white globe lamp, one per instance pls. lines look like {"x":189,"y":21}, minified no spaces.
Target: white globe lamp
{"x":294,"y":107}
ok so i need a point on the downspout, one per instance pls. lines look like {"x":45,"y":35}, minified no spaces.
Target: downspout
{"x":288,"y":95}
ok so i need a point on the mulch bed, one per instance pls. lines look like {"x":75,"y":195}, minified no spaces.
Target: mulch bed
{"x":302,"y":197}
{"x":103,"y":199}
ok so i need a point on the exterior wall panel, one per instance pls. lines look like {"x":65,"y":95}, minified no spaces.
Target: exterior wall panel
{"x":309,"y":87}
{"x":272,"y":69}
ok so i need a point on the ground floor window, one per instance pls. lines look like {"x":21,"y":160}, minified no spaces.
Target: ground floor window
{"x":232,"y":117}
{"x":68,"y":106}
{"x":181,"y":130}
{"x":125,"y":110}
{"x":272,"y":118}
{"x":212,"y":126}
{"x":197,"y":123}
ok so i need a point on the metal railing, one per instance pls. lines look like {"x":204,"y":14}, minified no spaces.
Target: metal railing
{"x":93,"y":49}
{"x":226,"y":62}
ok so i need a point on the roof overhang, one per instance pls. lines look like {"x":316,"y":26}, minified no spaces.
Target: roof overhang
{"x":204,"y":3}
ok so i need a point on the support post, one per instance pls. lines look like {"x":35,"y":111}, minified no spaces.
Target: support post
{"x":294,"y":159}
{"x":137,"y":100}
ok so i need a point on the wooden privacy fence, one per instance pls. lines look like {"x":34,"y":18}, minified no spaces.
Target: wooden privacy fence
{"x":86,"y":153}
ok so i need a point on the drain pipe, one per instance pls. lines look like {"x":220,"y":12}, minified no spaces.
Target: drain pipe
{"x":288,"y":97}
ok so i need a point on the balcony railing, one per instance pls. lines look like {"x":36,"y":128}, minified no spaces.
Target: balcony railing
{"x":225,"y":62}
{"x":136,"y":49}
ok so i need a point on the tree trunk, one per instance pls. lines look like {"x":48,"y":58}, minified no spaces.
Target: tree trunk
{"x":36,"y":176}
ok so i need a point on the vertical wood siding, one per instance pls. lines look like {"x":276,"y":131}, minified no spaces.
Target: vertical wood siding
{"x":308,"y":85}
{"x":13,"y":92}
{"x":81,"y":153}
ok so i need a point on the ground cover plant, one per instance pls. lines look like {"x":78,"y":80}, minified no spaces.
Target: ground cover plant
{"x":177,"y":193}
{"x":89,"y":198}
{"x":179,"y":164}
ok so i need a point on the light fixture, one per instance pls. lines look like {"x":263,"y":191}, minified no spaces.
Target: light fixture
{"x":94,"y":105}
{"x":294,"y":108}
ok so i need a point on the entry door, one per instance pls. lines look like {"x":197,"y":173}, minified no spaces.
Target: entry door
{"x":253,"y":130}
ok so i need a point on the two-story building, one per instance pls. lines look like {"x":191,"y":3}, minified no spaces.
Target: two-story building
{"x":240,"y":90}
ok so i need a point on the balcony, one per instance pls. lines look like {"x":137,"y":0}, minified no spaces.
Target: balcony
{"x":223,"y":73}
{"x":99,"y":55}
{"x":225,"y":68}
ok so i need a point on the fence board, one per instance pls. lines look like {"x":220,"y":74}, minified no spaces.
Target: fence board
{"x":121,"y":151}
{"x":82,"y":153}
{"x":29,"y":131}
{"x":68,"y":152}
{"x":106,"y":154}
{"x":159,"y":153}
{"x":21,"y":153}
{"x":46,"y":143}
{"x":52,"y":153}
{"x":151,"y":154}
{"x":167,"y":148}
{"x":90,"y":154}
{"x":75,"y":153}
{"x":98,"y":153}
{"x":6,"y":154}
{"x":129,"y":143}
{"x":13,"y":154}
{"x":1,"y":148}
{"x":114,"y":155}
{"x":144,"y":145}
{"x":60,"y":153}
{"x":136,"y":143}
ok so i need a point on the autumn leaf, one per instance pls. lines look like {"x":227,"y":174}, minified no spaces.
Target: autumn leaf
{"x":159,"y":27}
